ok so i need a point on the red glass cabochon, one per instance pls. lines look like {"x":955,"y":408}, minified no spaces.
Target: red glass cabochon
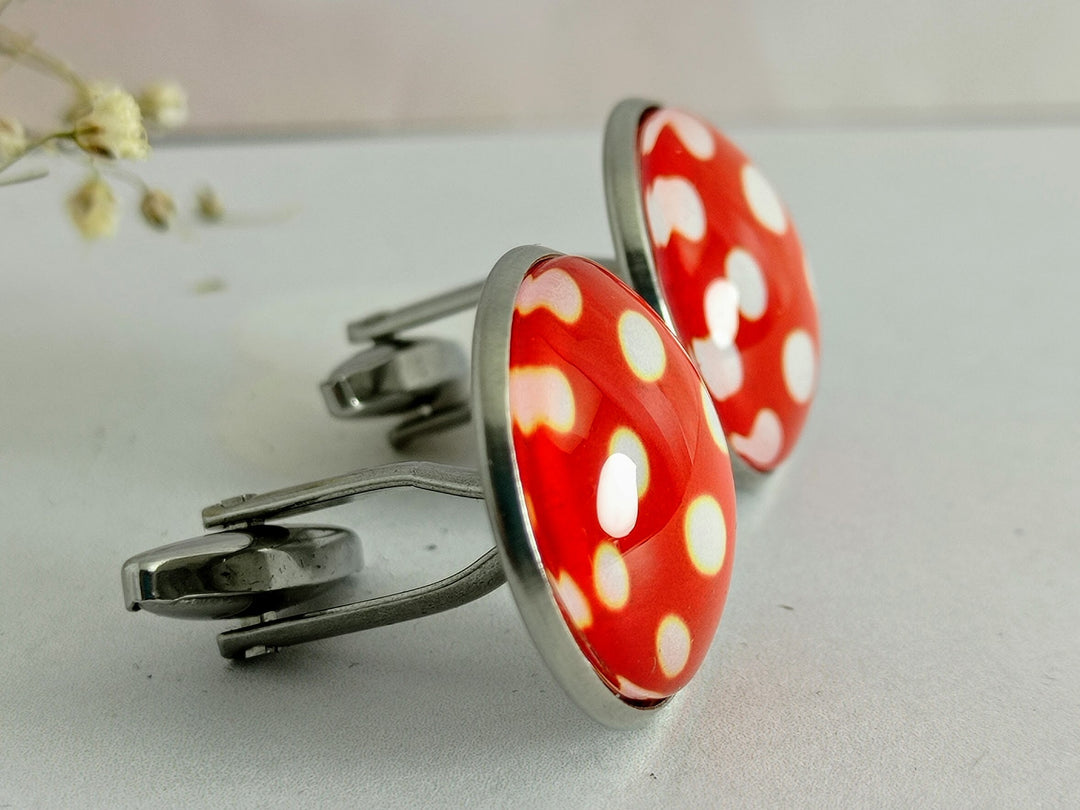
{"x":733,"y":275}
{"x":625,"y":473}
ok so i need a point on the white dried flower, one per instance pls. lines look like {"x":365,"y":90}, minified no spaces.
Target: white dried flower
{"x":112,"y":127}
{"x":164,"y":105}
{"x":92,"y":208}
{"x":158,"y":208}
{"x":209,"y":205}
{"x":12,"y":139}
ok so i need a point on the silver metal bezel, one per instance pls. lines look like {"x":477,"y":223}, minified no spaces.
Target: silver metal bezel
{"x":505,"y":500}
{"x":626,"y":208}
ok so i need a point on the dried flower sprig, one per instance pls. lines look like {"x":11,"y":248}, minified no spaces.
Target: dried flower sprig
{"x":104,"y":124}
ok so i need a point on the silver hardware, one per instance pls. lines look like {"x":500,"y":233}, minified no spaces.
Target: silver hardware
{"x":397,"y":377}
{"x":472,"y":582}
{"x":515,"y":557}
{"x":384,"y":325}
{"x":253,"y":569}
{"x":626,"y":206}
{"x":341,"y":489}
{"x":242,"y":572}
{"x":420,"y":378}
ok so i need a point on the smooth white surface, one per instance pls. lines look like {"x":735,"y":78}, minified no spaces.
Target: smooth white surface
{"x":904,"y":621}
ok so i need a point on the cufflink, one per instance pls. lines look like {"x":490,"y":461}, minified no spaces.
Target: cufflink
{"x":703,"y":237}
{"x":602,"y":464}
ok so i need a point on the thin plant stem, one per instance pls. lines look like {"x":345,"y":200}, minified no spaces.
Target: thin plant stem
{"x":33,"y":174}
{"x":35,"y":145}
{"x":124,"y":175}
{"x":22,"y":49}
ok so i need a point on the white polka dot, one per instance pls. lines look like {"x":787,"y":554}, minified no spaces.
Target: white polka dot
{"x":799,"y":365}
{"x":541,"y":395}
{"x":692,"y":133}
{"x":642,"y":346}
{"x":673,"y":205}
{"x":715,"y":428}
{"x":722,"y":312}
{"x":555,"y":290}
{"x":610,"y":577}
{"x":763,"y":444}
{"x":745,"y":273}
{"x":573,"y":601}
{"x":616,"y":496}
{"x":631,"y":690}
{"x":706,"y":534}
{"x":672,"y":645}
{"x":721,"y":369}
{"x":625,"y":441}
{"x":762,"y":199}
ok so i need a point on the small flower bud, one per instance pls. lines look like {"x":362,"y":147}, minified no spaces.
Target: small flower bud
{"x":164,"y":105}
{"x":92,"y":208}
{"x":12,"y":139}
{"x":112,"y":127}
{"x":158,"y":208}
{"x":209,"y":205}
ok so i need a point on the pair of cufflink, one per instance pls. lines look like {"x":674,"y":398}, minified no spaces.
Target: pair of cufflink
{"x":604,"y":397}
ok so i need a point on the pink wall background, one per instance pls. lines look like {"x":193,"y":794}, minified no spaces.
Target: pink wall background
{"x":318,"y":64}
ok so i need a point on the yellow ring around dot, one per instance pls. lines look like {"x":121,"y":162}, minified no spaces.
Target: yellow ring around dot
{"x":706,"y":535}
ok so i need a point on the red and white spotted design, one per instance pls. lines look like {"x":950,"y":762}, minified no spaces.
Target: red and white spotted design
{"x":626,"y":476}
{"x":732,"y":272}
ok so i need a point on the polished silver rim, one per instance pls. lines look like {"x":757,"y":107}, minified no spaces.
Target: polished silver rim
{"x":626,"y":208}
{"x":505,"y":500}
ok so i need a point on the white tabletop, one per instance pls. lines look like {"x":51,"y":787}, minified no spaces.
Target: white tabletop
{"x":903,"y":626}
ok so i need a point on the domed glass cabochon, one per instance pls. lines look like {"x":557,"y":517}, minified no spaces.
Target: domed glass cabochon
{"x":705,"y":238}
{"x":608,"y":478}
